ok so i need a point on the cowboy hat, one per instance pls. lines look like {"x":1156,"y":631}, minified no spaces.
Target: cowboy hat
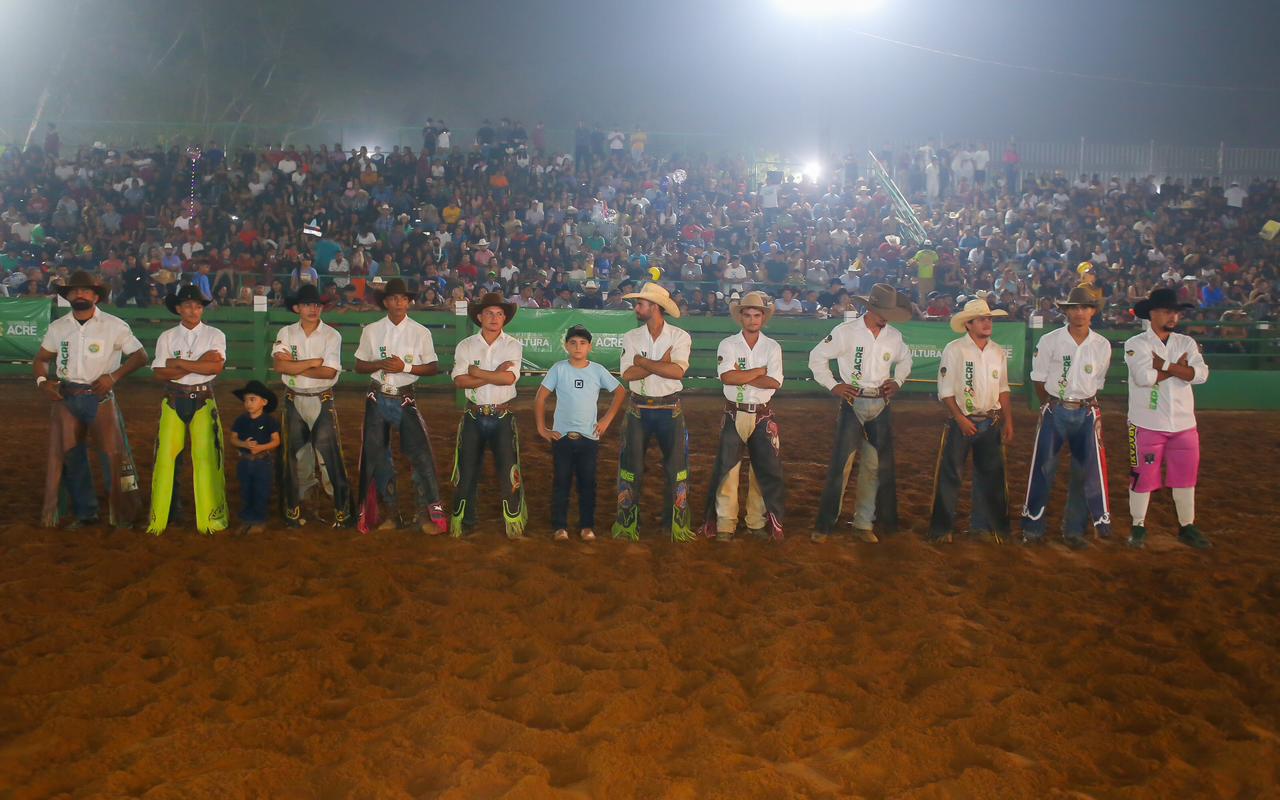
{"x":487,"y":300}
{"x":82,"y":280}
{"x":188,"y":292}
{"x":164,"y":277}
{"x":887,"y":302}
{"x":393,"y":286}
{"x":307,"y":294}
{"x":261,"y":390}
{"x":656,"y":294}
{"x":1081,"y":296}
{"x":974,"y":309}
{"x":1166,"y":299}
{"x":894,"y":240}
{"x":751,"y":300}
{"x":481,"y":243}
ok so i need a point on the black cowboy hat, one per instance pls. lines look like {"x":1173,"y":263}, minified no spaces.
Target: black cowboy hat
{"x":83,"y":280}
{"x":260,"y":389}
{"x":487,"y":300}
{"x":393,"y":286}
{"x":188,"y":292}
{"x":305,"y":295}
{"x":1159,"y":298}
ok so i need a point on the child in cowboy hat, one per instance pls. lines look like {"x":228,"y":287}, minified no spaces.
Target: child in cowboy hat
{"x":257,"y":435}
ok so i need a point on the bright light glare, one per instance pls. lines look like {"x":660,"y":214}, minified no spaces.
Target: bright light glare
{"x":812,"y":171}
{"x":826,"y":8}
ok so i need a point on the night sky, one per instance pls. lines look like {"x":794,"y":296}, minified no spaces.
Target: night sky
{"x":747,"y":68}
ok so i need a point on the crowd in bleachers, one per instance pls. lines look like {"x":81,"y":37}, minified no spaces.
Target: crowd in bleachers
{"x":569,"y":229}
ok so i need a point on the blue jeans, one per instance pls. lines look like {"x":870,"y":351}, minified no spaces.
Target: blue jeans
{"x":255,"y":477}
{"x":1080,"y":429}
{"x":75,"y":465}
{"x":573,"y":458}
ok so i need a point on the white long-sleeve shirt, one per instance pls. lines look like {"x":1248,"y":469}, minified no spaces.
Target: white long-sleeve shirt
{"x":735,"y":354}
{"x":864,"y":360}
{"x":189,"y":344}
{"x":974,"y":377}
{"x":1169,"y":405}
{"x":324,"y":342}
{"x":1071,"y":371}
{"x":638,"y":342}
{"x":85,"y":352}
{"x":475,"y":351}
{"x":410,"y":341}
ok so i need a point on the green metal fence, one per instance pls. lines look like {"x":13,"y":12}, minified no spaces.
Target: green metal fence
{"x":1244,"y":357}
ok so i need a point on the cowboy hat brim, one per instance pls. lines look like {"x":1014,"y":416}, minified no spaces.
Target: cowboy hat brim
{"x":97,"y":288}
{"x":1143,"y":308}
{"x":474,"y":309}
{"x":171,"y":301}
{"x":665,"y":303}
{"x":958,"y":321}
{"x":323,"y":300}
{"x":260,"y":391}
{"x":735,"y":311}
{"x":897,"y":313}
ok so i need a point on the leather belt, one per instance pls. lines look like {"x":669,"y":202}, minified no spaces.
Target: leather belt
{"x":489,"y":409}
{"x":392,"y":391}
{"x":749,"y":408}
{"x":984,"y":416}
{"x":666,"y":401}
{"x":860,"y":392}
{"x":191,"y":392}
{"x":263,"y":456}
{"x":292,"y":393}
{"x":574,"y":435}
{"x":1074,"y":404}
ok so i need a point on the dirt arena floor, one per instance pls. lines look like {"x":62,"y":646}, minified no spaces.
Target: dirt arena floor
{"x":320,"y":663}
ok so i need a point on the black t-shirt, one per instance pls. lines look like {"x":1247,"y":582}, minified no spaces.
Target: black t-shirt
{"x":255,"y":430}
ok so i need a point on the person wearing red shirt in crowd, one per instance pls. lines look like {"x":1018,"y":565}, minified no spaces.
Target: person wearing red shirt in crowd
{"x":466,"y":269}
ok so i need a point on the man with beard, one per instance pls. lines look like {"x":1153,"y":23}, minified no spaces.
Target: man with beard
{"x":655,"y":357}
{"x":750,"y":367}
{"x":1163,"y":366}
{"x":973,"y":385}
{"x":874,"y":363}
{"x":87,"y":347}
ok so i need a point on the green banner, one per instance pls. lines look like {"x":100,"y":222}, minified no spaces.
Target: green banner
{"x":926,"y":340}
{"x":542,"y":331}
{"x":23,"y":323}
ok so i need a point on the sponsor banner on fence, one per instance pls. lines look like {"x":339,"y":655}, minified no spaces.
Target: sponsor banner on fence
{"x":926,"y":340}
{"x":23,"y":323}
{"x":542,"y":331}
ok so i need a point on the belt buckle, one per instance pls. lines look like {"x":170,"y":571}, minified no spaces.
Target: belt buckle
{"x":389,"y":389}
{"x":573,"y":435}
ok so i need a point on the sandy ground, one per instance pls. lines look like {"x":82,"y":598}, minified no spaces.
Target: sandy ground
{"x":320,"y":663}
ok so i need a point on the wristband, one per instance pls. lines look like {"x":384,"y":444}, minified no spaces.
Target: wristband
{"x":408,"y":369}
{"x":41,"y":381}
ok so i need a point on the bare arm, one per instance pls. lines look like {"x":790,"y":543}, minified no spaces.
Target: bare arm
{"x":286,"y":365}
{"x":1041,"y":392}
{"x":540,"y":414}
{"x":619,"y":397}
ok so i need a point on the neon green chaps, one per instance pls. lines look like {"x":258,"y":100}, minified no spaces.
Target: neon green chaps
{"x":206,"y":466}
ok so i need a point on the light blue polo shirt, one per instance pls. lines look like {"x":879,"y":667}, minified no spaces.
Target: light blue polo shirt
{"x":577,"y":393}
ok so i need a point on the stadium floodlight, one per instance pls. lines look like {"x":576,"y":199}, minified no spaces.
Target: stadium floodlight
{"x":812,"y":170}
{"x":826,"y":8}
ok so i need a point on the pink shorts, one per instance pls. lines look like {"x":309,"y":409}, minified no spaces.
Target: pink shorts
{"x":1178,"y":453}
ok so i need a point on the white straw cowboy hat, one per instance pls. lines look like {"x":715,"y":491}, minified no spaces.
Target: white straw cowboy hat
{"x":973,"y":310}
{"x":751,"y":300}
{"x":887,"y":302}
{"x":656,"y":294}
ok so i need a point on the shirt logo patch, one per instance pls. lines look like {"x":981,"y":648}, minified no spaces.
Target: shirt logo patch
{"x":578,"y":383}
{"x":828,"y":338}
{"x":995,"y":373}
{"x":886,"y":356}
{"x":1128,"y":352}
{"x":1088,"y":369}
{"x":95,"y":348}
{"x":943,"y":372}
